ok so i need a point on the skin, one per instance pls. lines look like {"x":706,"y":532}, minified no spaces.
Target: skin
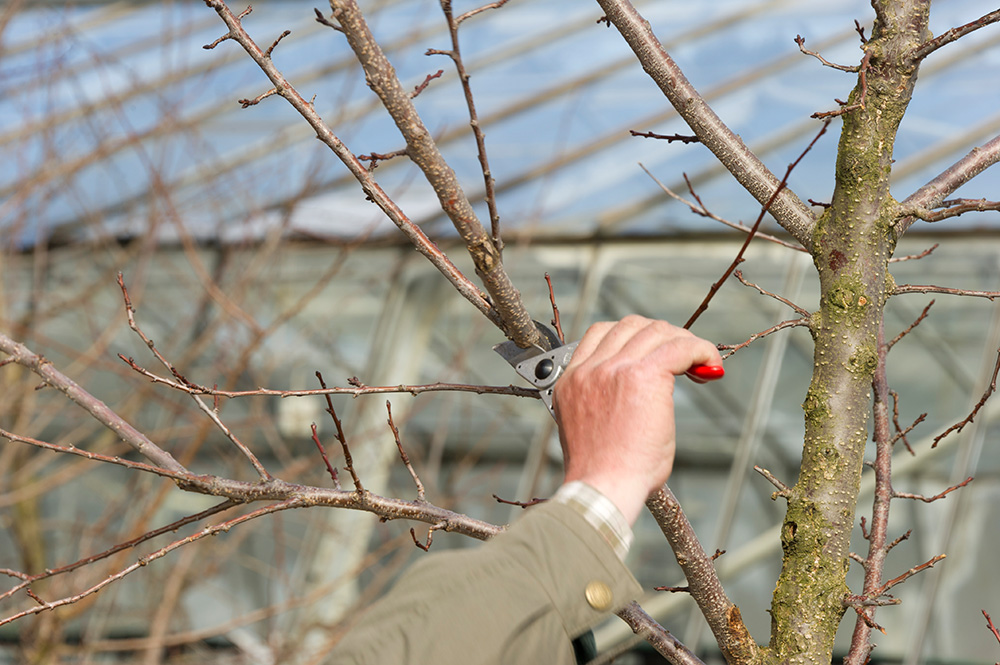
{"x":615,"y":408}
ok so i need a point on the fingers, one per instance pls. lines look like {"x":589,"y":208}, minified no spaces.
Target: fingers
{"x":591,"y":339}
{"x":680,"y":354}
{"x":635,"y":338}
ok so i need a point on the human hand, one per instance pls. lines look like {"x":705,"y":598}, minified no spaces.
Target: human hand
{"x":615,"y":409}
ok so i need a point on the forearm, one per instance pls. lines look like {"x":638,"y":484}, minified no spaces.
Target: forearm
{"x":529,"y":591}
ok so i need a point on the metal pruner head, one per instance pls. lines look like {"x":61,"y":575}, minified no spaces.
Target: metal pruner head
{"x":539,"y":367}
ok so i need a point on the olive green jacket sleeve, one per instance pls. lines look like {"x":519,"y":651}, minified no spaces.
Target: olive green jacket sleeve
{"x":519,"y":598}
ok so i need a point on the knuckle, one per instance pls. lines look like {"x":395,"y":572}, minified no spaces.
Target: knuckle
{"x":635,"y":320}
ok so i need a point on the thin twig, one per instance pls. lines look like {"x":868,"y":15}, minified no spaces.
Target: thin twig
{"x":929,"y":499}
{"x":739,"y":255}
{"x":990,"y":389}
{"x":430,"y":77}
{"x":914,"y":257}
{"x":406,"y":458}
{"x":522,"y":504}
{"x":669,"y":138}
{"x":862,"y":601}
{"x":701,"y":210}
{"x":270,"y":49}
{"x":463,"y":75}
{"x":785,"y":301}
{"x":900,"y":431}
{"x":898,"y":540}
{"x":733,"y":348}
{"x":950,"y":208}
{"x":556,"y":324}
{"x":911,"y":572}
{"x":472,"y":12}
{"x":425,"y":546}
{"x":322,"y":20}
{"x":861,"y":31}
{"x":989,"y":624}
{"x":182,"y":475}
{"x":790,"y":212}
{"x":801,"y":41}
{"x":348,"y":461}
{"x":931,"y":288}
{"x":783,"y":489}
{"x":916,"y":322}
{"x":357,"y":388}
{"x":199,"y":402}
{"x":375,"y":157}
{"x":326,"y":460}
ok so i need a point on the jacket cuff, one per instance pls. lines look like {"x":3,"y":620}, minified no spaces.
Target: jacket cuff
{"x":600,"y":512}
{"x":572,"y":563}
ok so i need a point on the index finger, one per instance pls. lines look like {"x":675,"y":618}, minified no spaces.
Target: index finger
{"x":605,"y":339}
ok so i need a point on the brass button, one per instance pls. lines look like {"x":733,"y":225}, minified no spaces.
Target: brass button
{"x":599,"y":596}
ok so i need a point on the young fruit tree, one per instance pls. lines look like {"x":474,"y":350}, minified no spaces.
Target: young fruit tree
{"x":851,"y":240}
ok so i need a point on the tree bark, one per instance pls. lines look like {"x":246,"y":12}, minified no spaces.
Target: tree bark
{"x":851,"y":246}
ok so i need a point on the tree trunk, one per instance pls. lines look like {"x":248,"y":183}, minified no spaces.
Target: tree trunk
{"x":853,"y":242}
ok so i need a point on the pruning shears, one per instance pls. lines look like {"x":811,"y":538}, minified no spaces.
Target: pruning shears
{"x":543,"y":368}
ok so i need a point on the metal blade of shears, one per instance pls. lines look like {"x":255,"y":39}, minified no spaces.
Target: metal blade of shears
{"x":539,"y":367}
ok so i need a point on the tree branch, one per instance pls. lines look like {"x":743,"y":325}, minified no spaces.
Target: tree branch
{"x":456,"y":56}
{"x":931,"y":288}
{"x":149,"y":558}
{"x":129,"y":544}
{"x":278,"y":490}
{"x":722,"y":615}
{"x":357,"y":388}
{"x":952,"y":208}
{"x":949,"y":36}
{"x":95,"y":407}
{"x":793,"y":215}
{"x":934,"y":192}
{"x":371,"y":188}
{"x":421,"y":497}
{"x":874,"y":563}
{"x":423,"y":151}
{"x":657,"y":636}
{"x":804,"y":313}
{"x":911,"y":572}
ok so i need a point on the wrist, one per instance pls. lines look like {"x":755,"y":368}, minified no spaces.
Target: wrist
{"x":628,"y":497}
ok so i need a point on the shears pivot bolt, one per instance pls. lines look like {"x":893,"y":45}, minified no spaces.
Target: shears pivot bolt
{"x":544,"y":369}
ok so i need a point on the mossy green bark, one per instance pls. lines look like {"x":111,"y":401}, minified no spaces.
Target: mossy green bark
{"x":851,"y":246}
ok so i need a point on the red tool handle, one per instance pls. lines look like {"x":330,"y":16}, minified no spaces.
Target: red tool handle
{"x":706,"y":372}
